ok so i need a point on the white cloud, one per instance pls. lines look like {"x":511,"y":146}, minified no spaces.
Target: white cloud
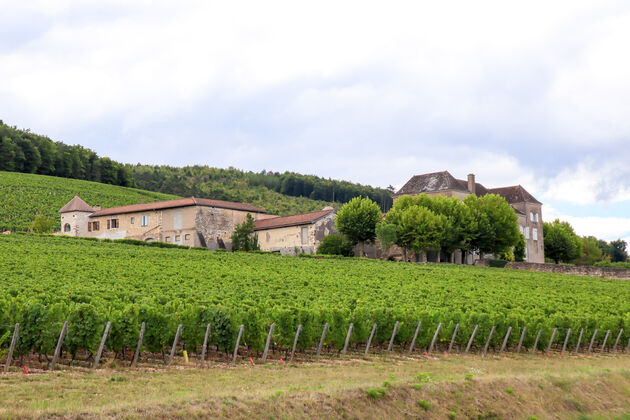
{"x":607,"y":228}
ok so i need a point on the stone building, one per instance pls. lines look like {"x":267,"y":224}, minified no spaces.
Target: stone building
{"x":300,"y":233}
{"x":527,"y":208}
{"x":185,"y":221}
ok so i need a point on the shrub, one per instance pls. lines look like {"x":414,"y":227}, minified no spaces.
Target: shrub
{"x":376,"y":393}
{"x":42,"y":224}
{"x":335,"y":245}
{"x":509,"y":390}
{"x":497,"y":263}
{"x":425,"y":404}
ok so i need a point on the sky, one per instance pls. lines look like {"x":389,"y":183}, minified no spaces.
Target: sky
{"x":534,"y":93}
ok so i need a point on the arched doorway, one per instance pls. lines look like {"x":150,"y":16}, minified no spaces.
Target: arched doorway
{"x":66,"y":227}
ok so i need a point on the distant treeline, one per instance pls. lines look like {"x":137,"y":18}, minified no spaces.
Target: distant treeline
{"x":23,"y":151}
{"x":225,"y":183}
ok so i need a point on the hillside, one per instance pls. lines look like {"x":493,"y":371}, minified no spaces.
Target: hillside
{"x":25,"y":195}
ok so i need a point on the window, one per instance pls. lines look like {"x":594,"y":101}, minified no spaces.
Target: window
{"x":531,"y":216}
{"x":167,"y":239}
{"x":177,"y":238}
{"x":96,"y":226}
{"x":305,"y":235}
{"x":521,"y":229}
{"x":89,"y":226}
{"x":527,"y":233}
{"x":66,"y":227}
{"x":112,"y":223}
{"x":187,"y":237}
{"x":144,"y":220}
{"x":526,"y":257}
{"x":133,"y":219}
{"x":535,"y":234}
{"x":536,"y":216}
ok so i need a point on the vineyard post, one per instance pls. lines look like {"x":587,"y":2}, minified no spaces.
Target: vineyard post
{"x":505,"y":340}
{"x":369,"y":342}
{"x":100,"y":348}
{"x":605,"y":339}
{"x":415,"y":337}
{"x":64,"y":330}
{"x":566,"y":341}
{"x":437,"y":331}
{"x":179,"y":331}
{"x":536,"y":341}
{"x":614,"y":349}
{"x":485,"y":348}
{"x":135,"y":355}
{"x":13,"y":341}
{"x":321,"y":341}
{"x":295,"y":341}
{"x":520,"y":342}
{"x":627,"y":346}
{"x":238,"y":341}
{"x":553,"y":335}
{"x":590,"y":347}
{"x":205,"y":345}
{"x":267,"y":343}
{"x":577,"y":347}
{"x":391,"y":340}
{"x":345,"y":346}
{"x":450,"y":346}
{"x":472,"y":337}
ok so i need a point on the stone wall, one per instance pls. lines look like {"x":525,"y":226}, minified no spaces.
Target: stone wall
{"x":582,"y":270}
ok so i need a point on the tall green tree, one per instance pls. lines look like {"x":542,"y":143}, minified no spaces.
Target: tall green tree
{"x":590,"y":253}
{"x":243,"y":237}
{"x":618,"y":251}
{"x":357,"y":221}
{"x":561,"y":242}
{"x":496,"y":224}
{"x":420,"y":229}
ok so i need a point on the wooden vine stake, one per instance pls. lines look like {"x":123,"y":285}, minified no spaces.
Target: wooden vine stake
{"x":295,"y":341}
{"x":520,"y":341}
{"x":415,"y":337}
{"x":485,"y":348}
{"x":536,"y":341}
{"x":577,"y":346}
{"x":505,"y":340}
{"x":205,"y":345}
{"x":435,"y":336}
{"x":566,"y":341}
{"x":391,"y":340}
{"x":614,"y":349}
{"x":553,"y":335}
{"x":345,"y":346}
{"x":238,"y":342}
{"x":450,"y":346}
{"x":369,"y":342}
{"x":321,"y":341}
{"x":267,"y":343}
{"x":627,"y":346}
{"x":137,"y":353}
{"x":605,"y":339}
{"x":172,"y":355}
{"x":12,"y":348}
{"x":472,"y":337}
{"x":64,"y":330}
{"x":100,"y":348}
{"x":590,"y":347}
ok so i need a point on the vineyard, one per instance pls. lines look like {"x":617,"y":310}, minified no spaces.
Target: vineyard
{"x":26,"y":195}
{"x":46,"y":280}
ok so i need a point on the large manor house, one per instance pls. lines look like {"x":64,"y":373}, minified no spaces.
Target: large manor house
{"x":201,"y":222}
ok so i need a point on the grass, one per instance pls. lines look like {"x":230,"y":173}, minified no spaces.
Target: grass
{"x":601,"y":389}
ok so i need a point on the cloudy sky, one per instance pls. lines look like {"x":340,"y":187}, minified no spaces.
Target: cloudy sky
{"x":536,"y":93}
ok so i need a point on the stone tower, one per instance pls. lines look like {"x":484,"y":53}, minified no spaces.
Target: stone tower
{"x":74,"y":217}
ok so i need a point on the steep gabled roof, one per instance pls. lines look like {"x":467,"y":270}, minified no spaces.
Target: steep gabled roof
{"x":294,"y":220}
{"x":179,"y":202}
{"x":436,"y":181}
{"x":76,"y":204}
{"x":514,"y":194}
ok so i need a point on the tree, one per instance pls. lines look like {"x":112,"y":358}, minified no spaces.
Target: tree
{"x":420,"y":229}
{"x":561,"y":242}
{"x":42,"y":224}
{"x":243,"y":237}
{"x":386,"y":234}
{"x":519,"y":249}
{"x":590,"y":252}
{"x":357,"y":221}
{"x":496,"y":224}
{"x":335,"y":245}
{"x":618,"y":251}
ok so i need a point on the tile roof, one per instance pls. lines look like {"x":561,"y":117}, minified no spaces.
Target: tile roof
{"x":514,"y":194}
{"x":294,"y":220}
{"x":437,"y":181}
{"x":180,"y":202}
{"x":76,"y":204}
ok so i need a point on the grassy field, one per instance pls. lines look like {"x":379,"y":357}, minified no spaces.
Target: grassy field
{"x":525,"y":387}
{"x":22,"y":196}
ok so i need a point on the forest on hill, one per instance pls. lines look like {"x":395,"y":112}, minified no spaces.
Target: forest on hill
{"x":27,"y":152}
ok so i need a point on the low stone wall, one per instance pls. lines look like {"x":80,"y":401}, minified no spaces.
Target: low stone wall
{"x":578,"y":270}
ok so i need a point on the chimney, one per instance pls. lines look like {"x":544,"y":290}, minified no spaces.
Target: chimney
{"x":471,"y":183}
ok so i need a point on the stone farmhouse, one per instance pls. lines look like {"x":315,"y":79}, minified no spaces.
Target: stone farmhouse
{"x":196,"y":222}
{"x":527,"y":208}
